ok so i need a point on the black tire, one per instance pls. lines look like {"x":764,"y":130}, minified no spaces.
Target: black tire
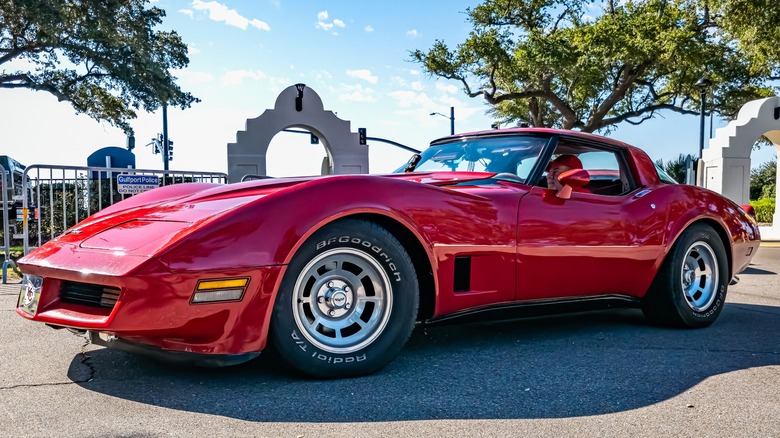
{"x":347,"y":303}
{"x":689,"y":290}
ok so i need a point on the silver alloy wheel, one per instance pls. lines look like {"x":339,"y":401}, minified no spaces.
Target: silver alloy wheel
{"x":342,"y":300}
{"x":699,"y":276}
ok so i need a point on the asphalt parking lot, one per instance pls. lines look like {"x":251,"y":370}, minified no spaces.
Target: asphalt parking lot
{"x":595,"y":374}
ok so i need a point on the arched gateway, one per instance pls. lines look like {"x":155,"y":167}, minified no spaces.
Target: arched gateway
{"x":296,"y":106}
{"x":727,"y":160}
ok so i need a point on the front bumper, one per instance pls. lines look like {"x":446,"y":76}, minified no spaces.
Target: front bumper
{"x":170,"y":356}
{"x":155,"y":310}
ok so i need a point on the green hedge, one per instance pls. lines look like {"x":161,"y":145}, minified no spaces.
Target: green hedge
{"x":765,"y":208}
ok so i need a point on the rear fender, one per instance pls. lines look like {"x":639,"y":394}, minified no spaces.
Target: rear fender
{"x":701,"y":205}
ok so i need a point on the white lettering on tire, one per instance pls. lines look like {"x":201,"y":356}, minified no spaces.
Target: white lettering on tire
{"x":325,"y":357}
{"x":381,"y":255}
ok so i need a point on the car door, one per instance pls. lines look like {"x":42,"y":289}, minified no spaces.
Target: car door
{"x":587,"y":245}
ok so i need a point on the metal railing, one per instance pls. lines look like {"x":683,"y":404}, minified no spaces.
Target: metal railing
{"x":58,"y":197}
{"x":6,"y":238}
{"x":7,"y":261}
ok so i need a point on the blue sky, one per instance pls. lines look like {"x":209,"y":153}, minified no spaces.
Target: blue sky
{"x":355,"y":55}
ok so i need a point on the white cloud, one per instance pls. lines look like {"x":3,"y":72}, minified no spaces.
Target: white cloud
{"x":219,"y":12}
{"x":446,"y":88}
{"x":322,"y":24}
{"x":192,"y":77}
{"x":407,"y":99}
{"x":236,"y":77}
{"x":364,"y":75}
{"x":414,"y":72}
{"x":399,"y":81}
{"x":262,"y":25}
{"x":412,"y":33}
{"x":192,"y":50}
{"x":357,"y":93}
{"x":187,"y":12}
{"x":322,"y":75}
{"x":417,"y":86}
{"x":369,"y":28}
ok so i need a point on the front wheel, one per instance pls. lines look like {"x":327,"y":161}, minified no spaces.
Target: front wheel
{"x":347,"y":303}
{"x":690,"y":288}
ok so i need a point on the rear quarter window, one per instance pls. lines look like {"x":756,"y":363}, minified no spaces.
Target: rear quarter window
{"x":663,"y":176}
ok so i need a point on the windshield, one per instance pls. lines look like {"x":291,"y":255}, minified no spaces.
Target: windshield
{"x":515,"y":154}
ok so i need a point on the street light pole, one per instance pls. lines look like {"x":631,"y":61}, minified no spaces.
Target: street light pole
{"x":452,"y":120}
{"x":451,"y":117}
{"x":702,"y":84}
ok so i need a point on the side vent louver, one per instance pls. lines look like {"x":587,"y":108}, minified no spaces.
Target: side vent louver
{"x":462,"y":280}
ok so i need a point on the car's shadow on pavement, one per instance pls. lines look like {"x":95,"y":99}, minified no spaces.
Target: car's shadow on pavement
{"x":576,"y":365}
{"x":757,"y":271}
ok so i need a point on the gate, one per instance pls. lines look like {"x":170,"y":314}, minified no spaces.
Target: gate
{"x":58,"y":197}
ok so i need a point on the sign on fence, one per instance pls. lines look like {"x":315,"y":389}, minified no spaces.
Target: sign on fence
{"x":135,"y":184}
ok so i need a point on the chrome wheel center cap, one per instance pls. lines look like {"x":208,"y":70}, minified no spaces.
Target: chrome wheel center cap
{"x":338,"y":300}
{"x":688,"y":276}
{"x":335,"y":298}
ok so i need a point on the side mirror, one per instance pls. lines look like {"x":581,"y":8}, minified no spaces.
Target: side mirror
{"x":572,"y":179}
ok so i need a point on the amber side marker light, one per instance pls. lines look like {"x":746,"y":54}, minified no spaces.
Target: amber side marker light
{"x":210,"y":291}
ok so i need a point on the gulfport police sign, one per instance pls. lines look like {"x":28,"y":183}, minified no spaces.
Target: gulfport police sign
{"x":135,"y":184}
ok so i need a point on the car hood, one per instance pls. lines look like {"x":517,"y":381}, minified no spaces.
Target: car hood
{"x":121,"y":237}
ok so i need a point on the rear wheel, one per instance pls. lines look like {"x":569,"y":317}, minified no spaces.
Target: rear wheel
{"x":690,"y":288}
{"x":347,"y":303}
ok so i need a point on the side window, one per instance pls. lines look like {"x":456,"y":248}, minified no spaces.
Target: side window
{"x":524,"y":168}
{"x":606,"y":169}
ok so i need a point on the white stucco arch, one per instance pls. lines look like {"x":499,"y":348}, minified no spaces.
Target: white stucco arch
{"x":247,"y":156}
{"x":727,"y":159}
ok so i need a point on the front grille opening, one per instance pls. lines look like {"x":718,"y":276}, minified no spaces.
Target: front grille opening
{"x":93,"y":295}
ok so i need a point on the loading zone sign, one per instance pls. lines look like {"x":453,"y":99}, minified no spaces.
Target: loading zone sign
{"x":135,"y":184}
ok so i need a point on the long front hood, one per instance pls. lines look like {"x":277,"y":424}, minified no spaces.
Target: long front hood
{"x":120,"y":239}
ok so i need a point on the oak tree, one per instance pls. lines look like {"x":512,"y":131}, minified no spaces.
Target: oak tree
{"x":590,"y":65}
{"x":104,"y":57}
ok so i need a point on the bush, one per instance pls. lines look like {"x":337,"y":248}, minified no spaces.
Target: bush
{"x":765,"y":208}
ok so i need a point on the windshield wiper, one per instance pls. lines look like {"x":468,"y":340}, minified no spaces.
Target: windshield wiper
{"x":412,"y":163}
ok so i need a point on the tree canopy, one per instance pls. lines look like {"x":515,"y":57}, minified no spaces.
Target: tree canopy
{"x":763,"y":181}
{"x":590,"y":65}
{"x":104,"y":57}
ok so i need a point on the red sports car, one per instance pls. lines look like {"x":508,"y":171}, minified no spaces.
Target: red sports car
{"x":335,"y":271}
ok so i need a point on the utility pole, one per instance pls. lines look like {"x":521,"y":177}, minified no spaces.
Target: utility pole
{"x":165,"y":145}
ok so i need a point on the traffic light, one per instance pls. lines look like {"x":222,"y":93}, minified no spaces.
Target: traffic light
{"x":362,"y":136}
{"x":156,"y":144}
{"x":314,"y":139}
{"x":170,"y":150}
